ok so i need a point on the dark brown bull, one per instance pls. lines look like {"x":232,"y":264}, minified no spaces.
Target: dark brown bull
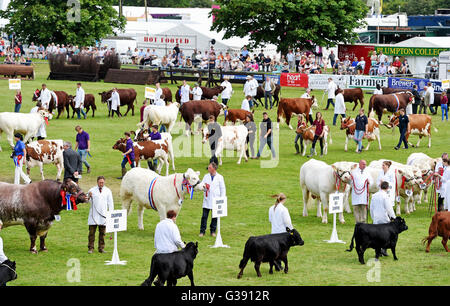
{"x":167,"y":94}
{"x":63,"y":102}
{"x":392,"y":103}
{"x":205,"y":108}
{"x":35,"y":206}
{"x":234,"y":115}
{"x":127,"y":97}
{"x":289,"y":106}
{"x":209,"y":93}
{"x":89,"y":102}
{"x":387,"y":91}
{"x":354,"y":95}
{"x":276,"y":95}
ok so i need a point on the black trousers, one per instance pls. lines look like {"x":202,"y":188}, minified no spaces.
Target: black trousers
{"x":440,"y":203}
{"x":212,"y":226}
{"x":402,"y":139}
{"x":316,"y":137}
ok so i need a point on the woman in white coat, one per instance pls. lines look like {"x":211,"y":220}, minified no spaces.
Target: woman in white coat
{"x":279,"y":215}
{"x":215,"y":189}
{"x":387,"y":175}
{"x":227,"y":92}
{"x":445,"y":187}
{"x":115,"y":103}
{"x":339,"y":107}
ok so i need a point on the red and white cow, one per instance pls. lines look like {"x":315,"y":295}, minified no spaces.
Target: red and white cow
{"x":143,"y":135}
{"x":373,"y":130}
{"x":308,"y":137}
{"x":233,"y":138}
{"x":419,"y":124}
{"x":42,"y":152}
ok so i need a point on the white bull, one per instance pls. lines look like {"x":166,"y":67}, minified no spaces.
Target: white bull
{"x":27,"y":124}
{"x":155,"y":114}
{"x":43,"y":152}
{"x":319,"y":180}
{"x":233,"y":138}
{"x":166,"y":192}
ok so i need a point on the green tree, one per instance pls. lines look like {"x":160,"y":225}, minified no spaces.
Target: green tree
{"x":78,"y":22}
{"x":412,"y":7}
{"x":290,"y":24}
{"x":167,"y":3}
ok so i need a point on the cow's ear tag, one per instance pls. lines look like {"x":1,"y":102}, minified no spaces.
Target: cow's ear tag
{"x":57,"y":218}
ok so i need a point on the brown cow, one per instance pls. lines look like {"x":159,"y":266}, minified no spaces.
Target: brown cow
{"x":291,"y":106}
{"x":392,"y":103}
{"x":89,"y":102}
{"x":276,"y":95}
{"x":387,"y":90}
{"x":234,"y":115}
{"x":35,"y":206}
{"x":440,"y":226}
{"x":308,"y":136}
{"x":353,"y":95}
{"x":193,"y":109}
{"x":373,"y":130}
{"x":63,"y":102}
{"x":167,"y":94}
{"x":127,"y":97}
{"x":209,"y":93}
{"x":419,"y":124}
{"x":147,"y":150}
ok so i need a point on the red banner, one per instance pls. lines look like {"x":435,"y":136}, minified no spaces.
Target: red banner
{"x":294,"y":80}
{"x":356,"y":51}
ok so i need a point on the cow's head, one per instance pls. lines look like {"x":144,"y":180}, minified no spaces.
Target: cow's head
{"x":407,"y":177}
{"x":105,"y":95}
{"x":192,"y":248}
{"x":343,"y":170}
{"x":71,"y":187}
{"x":219,"y":89}
{"x":45,"y":114}
{"x":36,"y":95}
{"x":400,"y":224}
{"x":140,"y":134}
{"x":295,"y":237}
{"x":193,"y":178}
{"x":393,"y":121}
{"x":120,"y":145}
{"x":206,"y":134}
{"x":71,"y":99}
{"x":347,"y":122}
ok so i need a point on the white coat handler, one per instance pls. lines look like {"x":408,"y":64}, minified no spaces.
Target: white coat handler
{"x":361,"y":180}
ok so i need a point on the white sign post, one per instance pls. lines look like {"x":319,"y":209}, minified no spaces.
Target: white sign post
{"x":219,"y":210}
{"x":150,"y":93}
{"x":116,"y":221}
{"x":335,"y":206}
{"x":15,"y":84}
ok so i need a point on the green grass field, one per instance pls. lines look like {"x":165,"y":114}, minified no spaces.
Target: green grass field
{"x":249,"y":187}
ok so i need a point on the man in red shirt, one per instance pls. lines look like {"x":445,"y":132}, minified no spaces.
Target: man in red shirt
{"x":397,"y":64}
{"x":144,"y":105}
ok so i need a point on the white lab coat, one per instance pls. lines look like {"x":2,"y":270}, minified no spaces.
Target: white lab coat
{"x":430,"y":91}
{"x":378,"y":92}
{"x":158,"y":93}
{"x":439,"y":165}
{"x":216,"y":189}
{"x":115,"y":100}
{"x":2,"y":254}
{"x":250,"y":88}
{"x":79,"y":98}
{"x":279,"y":218}
{"x":390,"y":178}
{"x":184,"y":93}
{"x":409,"y":109}
{"x":45,"y":98}
{"x":101,"y":202}
{"x":55,"y":97}
{"x":226,"y":93}
{"x":339,"y":104}
{"x":160,"y":102}
{"x":197,"y":93}
{"x":245,"y":105}
{"x":42,"y":132}
{"x":380,"y":208}
{"x":359,"y":190}
{"x":167,"y":237}
{"x":331,"y":89}
{"x":445,"y":189}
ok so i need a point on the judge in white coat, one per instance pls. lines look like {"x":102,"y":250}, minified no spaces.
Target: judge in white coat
{"x":279,"y":216}
{"x":115,"y":103}
{"x":331,"y":90}
{"x":45,"y":96}
{"x":196,"y":92}
{"x":215,"y":189}
{"x":387,"y":175}
{"x":79,"y":101}
{"x":339,"y":107}
{"x":444,"y":190}
{"x":185,"y":90}
{"x":158,"y":92}
{"x":227,"y":92}
{"x":101,"y":200}
{"x":250,"y":89}
{"x":167,"y":235}
{"x":439,"y":168}
{"x":361,"y":180}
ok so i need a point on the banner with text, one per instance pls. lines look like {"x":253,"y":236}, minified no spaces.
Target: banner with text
{"x":366,"y":81}
{"x":407,"y":84}
{"x":294,"y":80}
{"x":320,"y":81}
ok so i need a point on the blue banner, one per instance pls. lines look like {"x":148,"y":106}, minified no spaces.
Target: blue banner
{"x":407,"y":83}
{"x":258,"y":77}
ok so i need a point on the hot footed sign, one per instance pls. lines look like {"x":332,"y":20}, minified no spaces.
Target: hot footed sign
{"x":366,"y":81}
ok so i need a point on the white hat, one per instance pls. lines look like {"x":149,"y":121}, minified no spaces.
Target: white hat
{"x":248,"y":77}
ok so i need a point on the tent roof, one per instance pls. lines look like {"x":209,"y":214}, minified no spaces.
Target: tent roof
{"x":426,"y":42}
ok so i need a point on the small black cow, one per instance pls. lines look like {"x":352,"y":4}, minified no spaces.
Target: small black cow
{"x":377,"y":236}
{"x":172,"y":266}
{"x":7,"y":272}
{"x":270,"y":248}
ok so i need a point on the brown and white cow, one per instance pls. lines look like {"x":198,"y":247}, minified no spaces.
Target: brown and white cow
{"x":419,"y":124}
{"x":349,"y":125}
{"x":234,"y":115}
{"x":294,"y":106}
{"x":308,"y":137}
{"x":145,"y":150}
{"x":42,"y":152}
{"x":35,"y":206}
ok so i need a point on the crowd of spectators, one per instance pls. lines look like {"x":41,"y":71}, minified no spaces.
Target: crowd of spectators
{"x":383,"y":65}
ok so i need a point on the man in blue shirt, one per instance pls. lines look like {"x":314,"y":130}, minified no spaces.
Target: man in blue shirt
{"x":19,"y":155}
{"x":154,"y":135}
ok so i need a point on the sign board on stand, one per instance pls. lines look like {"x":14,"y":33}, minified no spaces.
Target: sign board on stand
{"x":335,"y":206}
{"x":15,"y":84}
{"x":116,"y":221}
{"x":220,"y":209}
{"x":150,"y":93}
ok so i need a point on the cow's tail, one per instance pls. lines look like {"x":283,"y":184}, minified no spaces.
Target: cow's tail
{"x":280,"y":113}
{"x":435,"y":129}
{"x":353,"y":238}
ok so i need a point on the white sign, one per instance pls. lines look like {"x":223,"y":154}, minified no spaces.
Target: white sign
{"x":15,"y":84}
{"x":166,"y":41}
{"x":219,"y":207}
{"x":445,"y":84}
{"x":150,"y":93}
{"x":320,"y":81}
{"x":116,"y":221}
{"x":336,"y":203}
{"x":366,"y":81}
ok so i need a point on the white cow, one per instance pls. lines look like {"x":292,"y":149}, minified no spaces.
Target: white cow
{"x":319,"y":180}
{"x":42,"y":152}
{"x":155,"y":114}
{"x":233,"y":138}
{"x":27,"y":124}
{"x":427,"y":165}
{"x":142,"y":134}
{"x":166,"y":193}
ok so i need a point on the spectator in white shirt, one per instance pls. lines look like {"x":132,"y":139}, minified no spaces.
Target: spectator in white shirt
{"x":167,"y":235}
{"x":226,"y":93}
{"x":184,"y":92}
{"x":279,"y":215}
{"x":196,"y":92}
{"x":246,"y":103}
{"x":79,"y":101}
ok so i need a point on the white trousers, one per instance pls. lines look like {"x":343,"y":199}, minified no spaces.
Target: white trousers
{"x":18,"y":173}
